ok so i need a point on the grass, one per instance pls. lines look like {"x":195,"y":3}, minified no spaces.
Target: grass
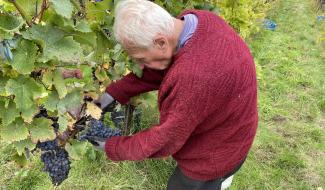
{"x":289,"y":149}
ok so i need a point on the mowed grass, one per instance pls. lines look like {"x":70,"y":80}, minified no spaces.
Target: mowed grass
{"x":289,"y":149}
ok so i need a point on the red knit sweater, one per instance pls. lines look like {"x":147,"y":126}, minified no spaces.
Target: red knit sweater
{"x":207,"y":101}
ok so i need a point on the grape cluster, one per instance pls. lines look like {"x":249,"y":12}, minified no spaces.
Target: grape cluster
{"x":47,"y":145}
{"x":97,"y":128}
{"x":56,"y":161}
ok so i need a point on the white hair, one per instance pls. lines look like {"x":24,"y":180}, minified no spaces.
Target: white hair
{"x":138,"y":22}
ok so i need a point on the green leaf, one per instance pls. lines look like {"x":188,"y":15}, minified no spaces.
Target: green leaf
{"x":29,"y":7}
{"x":77,"y":149}
{"x":101,"y":74}
{"x":29,"y":114}
{"x":15,"y":131}
{"x":21,"y":160}
{"x":47,"y":78}
{"x":25,"y":90}
{"x":63,"y":123}
{"x":86,"y":38}
{"x":52,"y":101}
{"x":8,"y":114}
{"x":59,"y":84}
{"x":21,"y":145}
{"x":96,"y":11}
{"x":41,"y":130}
{"x":43,"y":35}
{"x":83,"y":26}
{"x":72,"y":99}
{"x":63,"y":7}
{"x":65,"y":50}
{"x":9,"y":23}
{"x":24,"y":57}
{"x":3,"y":82}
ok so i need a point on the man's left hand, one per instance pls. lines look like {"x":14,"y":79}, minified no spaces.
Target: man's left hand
{"x":99,"y":143}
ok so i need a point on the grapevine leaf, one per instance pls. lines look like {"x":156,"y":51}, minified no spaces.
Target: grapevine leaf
{"x":101,"y":74}
{"x":65,"y":50}
{"x":97,"y":11}
{"x":63,"y":123}
{"x":41,"y":130}
{"x":77,"y":149}
{"x":24,"y":57}
{"x":93,"y":110}
{"x":59,"y":84}
{"x":21,"y":160}
{"x":43,"y":35}
{"x":47,"y":78}
{"x":29,"y":114}
{"x":83,"y":26}
{"x":3,"y":82}
{"x":15,"y":131}
{"x":63,"y":7}
{"x":25,"y":90}
{"x":72,"y":99}
{"x":9,"y":114}
{"x":29,"y":7}
{"x":52,"y":101}
{"x":86,"y":38}
{"x":21,"y":145}
{"x":9,"y":23}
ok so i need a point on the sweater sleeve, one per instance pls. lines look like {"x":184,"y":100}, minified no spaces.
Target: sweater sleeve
{"x":131,"y":85}
{"x":179,"y":118}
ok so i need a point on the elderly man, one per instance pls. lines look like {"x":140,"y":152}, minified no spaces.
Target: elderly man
{"x":206,"y":79}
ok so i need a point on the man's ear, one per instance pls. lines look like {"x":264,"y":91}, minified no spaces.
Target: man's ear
{"x":161,"y":42}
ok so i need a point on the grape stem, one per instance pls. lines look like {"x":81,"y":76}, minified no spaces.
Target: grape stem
{"x":44,"y":7}
{"x":22,"y":12}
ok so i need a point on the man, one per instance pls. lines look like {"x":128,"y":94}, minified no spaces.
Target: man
{"x":207,"y":99}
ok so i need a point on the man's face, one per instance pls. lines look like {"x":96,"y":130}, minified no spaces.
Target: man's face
{"x":158,"y":57}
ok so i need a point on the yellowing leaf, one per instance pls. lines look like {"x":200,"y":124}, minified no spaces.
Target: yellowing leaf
{"x":93,"y":110}
{"x":15,"y":131}
{"x":41,"y":130}
{"x":21,"y":145}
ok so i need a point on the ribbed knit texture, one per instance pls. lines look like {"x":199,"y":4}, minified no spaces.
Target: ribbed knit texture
{"x":207,"y":101}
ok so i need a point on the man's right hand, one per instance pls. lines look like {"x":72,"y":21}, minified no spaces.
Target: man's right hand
{"x":104,"y":101}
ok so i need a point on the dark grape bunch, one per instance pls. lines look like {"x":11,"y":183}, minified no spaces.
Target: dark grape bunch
{"x":97,"y":128}
{"x":56,"y":161}
{"x":47,"y":145}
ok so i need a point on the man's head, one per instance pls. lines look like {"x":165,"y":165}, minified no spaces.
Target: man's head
{"x":147,"y":32}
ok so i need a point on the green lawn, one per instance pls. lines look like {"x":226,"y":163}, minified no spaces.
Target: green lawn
{"x":289,"y":149}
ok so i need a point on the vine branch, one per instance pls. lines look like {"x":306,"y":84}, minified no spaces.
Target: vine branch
{"x":22,"y":12}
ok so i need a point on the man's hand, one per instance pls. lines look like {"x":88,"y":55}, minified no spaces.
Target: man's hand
{"x":99,"y":143}
{"x":104,"y":101}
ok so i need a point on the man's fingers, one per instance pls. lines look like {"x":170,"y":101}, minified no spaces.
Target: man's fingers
{"x":96,"y":139}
